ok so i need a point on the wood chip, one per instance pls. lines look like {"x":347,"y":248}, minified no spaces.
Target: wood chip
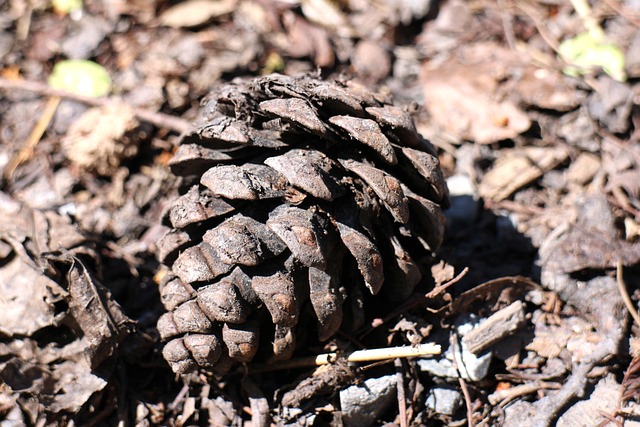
{"x":517,"y":168}
{"x":497,"y":327}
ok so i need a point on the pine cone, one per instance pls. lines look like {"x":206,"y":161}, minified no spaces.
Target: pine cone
{"x":306,"y":192}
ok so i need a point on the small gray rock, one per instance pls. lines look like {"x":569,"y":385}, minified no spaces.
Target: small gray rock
{"x":363,"y":404}
{"x":472,"y":367}
{"x":445,"y":401}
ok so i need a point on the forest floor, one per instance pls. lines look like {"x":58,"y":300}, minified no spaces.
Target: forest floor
{"x":534,"y":107}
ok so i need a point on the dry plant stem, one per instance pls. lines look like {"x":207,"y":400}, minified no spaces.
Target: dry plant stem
{"x":463,"y":384}
{"x":402,"y":400}
{"x":590,"y":22}
{"x":26,"y":152}
{"x":180,"y":397}
{"x":503,"y":397}
{"x":625,"y":295}
{"x":160,"y":120}
{"x":421,"y":350}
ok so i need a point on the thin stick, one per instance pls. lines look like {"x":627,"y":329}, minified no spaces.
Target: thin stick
{"x":503,"y":397}
{"x":161,"y":120}
{"x":463,"y":384}
{"x":428,"y":349}
{"x":402,"y":400}
{"x":35,"y":136}
{"x":622,"y":287}
{"x":591,"y":24}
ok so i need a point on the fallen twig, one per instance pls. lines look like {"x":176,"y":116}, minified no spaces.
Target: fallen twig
{"x":158,"y":119}
{"x":26,"y":152}
{"x":503,"y":397}
{"x":463,"y":384}
{"x":402,"y":400}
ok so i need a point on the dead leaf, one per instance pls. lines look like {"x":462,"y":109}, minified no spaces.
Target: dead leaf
{"x":586,"y":248}
{"x":192,"y":13}
{"x":24,"y":292}
{"x":463,"y":94}
{"x":545,"y":89}
{"x":60,"y":377}
{"x":517,"y":168}
{"x":97,"y":140}
{"x":100,"y":318}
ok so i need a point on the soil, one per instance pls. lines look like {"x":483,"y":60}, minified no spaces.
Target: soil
{"x":532,"y":312}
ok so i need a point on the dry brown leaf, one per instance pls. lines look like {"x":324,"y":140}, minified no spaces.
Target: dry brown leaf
{"x":24,"y":305}
{"x":546,"y":89}
{"x":517,"y":168}
{"x":196,"y":12}
{"x":96,"y":142}
{"x":463,"y":95}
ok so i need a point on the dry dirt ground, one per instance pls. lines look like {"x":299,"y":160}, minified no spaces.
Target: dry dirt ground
{"x":533,"y":302}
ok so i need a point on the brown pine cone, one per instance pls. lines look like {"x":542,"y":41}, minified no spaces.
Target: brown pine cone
{"x":306,"y":192}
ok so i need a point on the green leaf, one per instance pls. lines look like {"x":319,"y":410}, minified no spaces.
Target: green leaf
{"x":65,"y":7}
{"x":81,"y":77}
{"x":584,"y":52}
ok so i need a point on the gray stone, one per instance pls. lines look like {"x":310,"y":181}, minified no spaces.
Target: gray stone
{"x":472,"y":367}
{"x":445,"y":401}
{"x":363,"y":404}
